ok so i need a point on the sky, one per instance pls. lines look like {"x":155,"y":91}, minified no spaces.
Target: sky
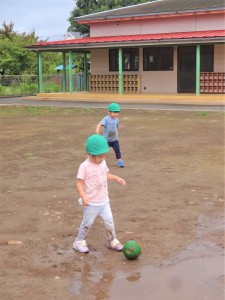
{"x":47,"y":17}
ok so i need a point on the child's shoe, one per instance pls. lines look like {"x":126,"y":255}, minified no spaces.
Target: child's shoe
{"x":80,"y":246}
{"x":121,"y":163}
{"x":115,"y":245}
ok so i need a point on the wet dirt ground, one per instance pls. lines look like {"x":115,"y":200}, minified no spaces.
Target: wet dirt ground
{"x":172,"y":205}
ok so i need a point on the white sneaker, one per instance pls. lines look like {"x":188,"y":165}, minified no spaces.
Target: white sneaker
{"x":80,"y":246}
{"x":115,"y":245}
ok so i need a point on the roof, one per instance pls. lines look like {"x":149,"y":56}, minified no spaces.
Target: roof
{"x":134,"y":40}
{"x":71,"y":35}
{"x":60,"y":67}
{"x":157,"y":7}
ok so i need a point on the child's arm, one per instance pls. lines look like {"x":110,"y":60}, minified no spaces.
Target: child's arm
{"x":98,"y":128}
{"x":80,"y":189}
{"x":116,"y":178}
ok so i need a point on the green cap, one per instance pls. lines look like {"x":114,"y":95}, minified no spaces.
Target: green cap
{"x":113,"y":107}
{"x":96,"y":144}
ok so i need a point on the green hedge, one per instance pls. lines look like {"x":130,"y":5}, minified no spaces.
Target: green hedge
{"x":18,"y":90}
{"x":26,"y":89}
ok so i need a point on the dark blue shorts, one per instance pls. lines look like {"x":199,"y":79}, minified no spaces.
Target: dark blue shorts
{"x":116,"y":147}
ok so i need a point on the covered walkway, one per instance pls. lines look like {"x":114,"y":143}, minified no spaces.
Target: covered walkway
{"x":206,"y":99}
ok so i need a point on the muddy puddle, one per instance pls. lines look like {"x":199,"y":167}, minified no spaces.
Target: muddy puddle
{"x":195,"y":279}
{"x":198,"y":273}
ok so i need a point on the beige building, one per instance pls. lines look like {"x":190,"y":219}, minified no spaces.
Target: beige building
{"x":162,"y":46}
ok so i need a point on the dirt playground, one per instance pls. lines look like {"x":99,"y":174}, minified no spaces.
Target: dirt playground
{"x":173,"y":202}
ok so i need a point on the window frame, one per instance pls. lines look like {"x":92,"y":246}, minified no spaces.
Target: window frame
{"x":162,"y":58}
{"x":131,"y":54}
{"x":207,"y":58}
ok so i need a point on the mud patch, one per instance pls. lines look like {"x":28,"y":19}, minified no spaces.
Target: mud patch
{"x":175,"y":184}
{"x":196,"y":273}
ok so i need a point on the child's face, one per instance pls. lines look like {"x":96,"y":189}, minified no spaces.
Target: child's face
{"x":97,"y":159}
{"x":114,"y":114}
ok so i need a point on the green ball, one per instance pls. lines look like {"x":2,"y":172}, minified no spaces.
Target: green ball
{"x":131,"y":250}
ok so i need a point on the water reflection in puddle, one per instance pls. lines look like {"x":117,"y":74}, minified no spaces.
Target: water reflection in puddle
{"x":197,"y":273}
{"x":195,"y":279}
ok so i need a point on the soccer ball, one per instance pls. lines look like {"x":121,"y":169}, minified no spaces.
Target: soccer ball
{"x":131,"y":250}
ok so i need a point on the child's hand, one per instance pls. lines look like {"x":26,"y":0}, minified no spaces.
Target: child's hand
{"x":116,"y":178}
{"x":84,"y":201}
{"x":121,"y":181}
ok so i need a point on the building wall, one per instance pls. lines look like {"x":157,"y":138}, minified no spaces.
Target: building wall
{"x":158,"y":81}
{"x":152,"y":81}
{"x":219,"y":58}
{"x":100,"y":62}
{"x":159,"y":25}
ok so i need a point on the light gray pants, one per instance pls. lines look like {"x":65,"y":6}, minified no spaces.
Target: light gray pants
{"x":90,"y":213}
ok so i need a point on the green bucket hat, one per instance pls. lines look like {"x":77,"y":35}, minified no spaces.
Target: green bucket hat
{"x":96,"y":145}
{"x":113,"y":107}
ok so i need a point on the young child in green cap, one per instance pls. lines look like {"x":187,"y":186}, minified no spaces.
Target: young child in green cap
{"x":111,"y":124}
{"x":92,"y":187}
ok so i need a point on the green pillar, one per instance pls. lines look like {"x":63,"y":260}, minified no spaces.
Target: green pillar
{"x":85,"y":71}
{"x":70,"y":73}
{"x":40,"y":79}
{"x":120,"y":72}
{"x":197,"y":70}
{"x":64,"y":72}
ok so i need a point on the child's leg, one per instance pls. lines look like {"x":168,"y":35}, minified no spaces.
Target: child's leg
{"x":116,"y":147}
{"x":89,"y":215}
{"x":112,"y":242}
{"x":106,"y":215}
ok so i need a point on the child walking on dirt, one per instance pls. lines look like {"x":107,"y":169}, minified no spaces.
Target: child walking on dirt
{"x":111,"y":124}
{"x":92,"y":187}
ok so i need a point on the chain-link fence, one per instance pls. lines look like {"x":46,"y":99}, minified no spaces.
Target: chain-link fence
{"x":26,"y":85}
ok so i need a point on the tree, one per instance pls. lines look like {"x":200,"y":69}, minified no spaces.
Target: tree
{"x":15,"y":59}
{"x":85,"y":7}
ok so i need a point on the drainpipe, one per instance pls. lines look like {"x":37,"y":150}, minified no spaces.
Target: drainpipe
{"x":64,"y":72}
{"x":120,"y":72}
{"x":197,"y":70}
{"x":70,"y":73}
{"x":40,"y":79}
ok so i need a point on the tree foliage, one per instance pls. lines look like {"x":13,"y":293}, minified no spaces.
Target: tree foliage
{"x":15,"y":59}
{"x":85,"y":7}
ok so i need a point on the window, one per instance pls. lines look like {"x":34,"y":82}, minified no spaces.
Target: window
{"x":207,"y":54}
{"x":158,"y":59}
{"x":130,"y":59}
{"x":113,"y":60}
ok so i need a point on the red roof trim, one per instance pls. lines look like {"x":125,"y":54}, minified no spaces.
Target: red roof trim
{"x":153,"y":16}
{"x":140,"y":37}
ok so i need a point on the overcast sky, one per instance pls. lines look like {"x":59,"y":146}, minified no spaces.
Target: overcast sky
{"x":47,"y":17}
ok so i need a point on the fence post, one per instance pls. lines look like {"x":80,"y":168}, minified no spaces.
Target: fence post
{"x":79,"y":81}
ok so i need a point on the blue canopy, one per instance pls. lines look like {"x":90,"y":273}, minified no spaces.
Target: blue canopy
{"x":60,"y":67}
